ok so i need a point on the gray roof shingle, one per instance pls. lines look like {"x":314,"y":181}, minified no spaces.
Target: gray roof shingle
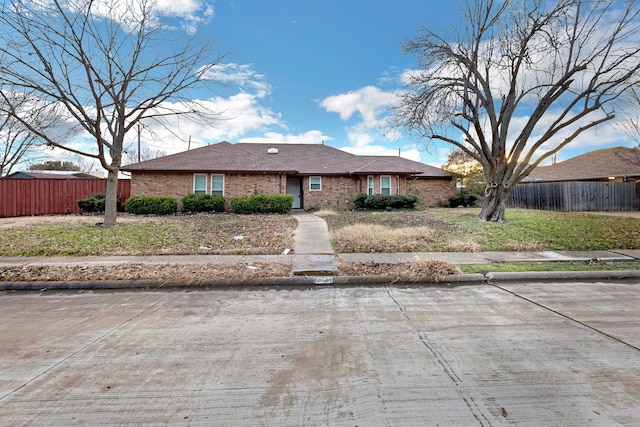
{"x":598,"y":164}
{"x":301,"y":159}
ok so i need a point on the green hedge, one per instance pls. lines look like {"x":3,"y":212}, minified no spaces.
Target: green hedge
{"x":465,"y":199}
{"x":380,"y":202}
{"x":203,"y":203}
{"x":96,"y":204}
{"x":153,"y":205}
{"x":262,"y":203}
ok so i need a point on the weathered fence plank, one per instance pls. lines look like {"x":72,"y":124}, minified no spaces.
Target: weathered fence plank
{"x":576,"y":196}
{"x":26,"y":197}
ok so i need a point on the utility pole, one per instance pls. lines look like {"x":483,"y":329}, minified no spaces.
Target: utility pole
{"x":138,"y":142}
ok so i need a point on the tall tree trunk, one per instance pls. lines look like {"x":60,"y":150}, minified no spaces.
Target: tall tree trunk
{"x":111,"y":200}
{"x":494,"y":204}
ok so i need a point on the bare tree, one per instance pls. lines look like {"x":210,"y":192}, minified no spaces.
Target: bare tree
{"x":105,"y":64}
{"x":521,"y":80}
{"x":629,"y":123}
{"x":16,"y":143}
{"x":466,"y":169}
{"x":145,"y":153}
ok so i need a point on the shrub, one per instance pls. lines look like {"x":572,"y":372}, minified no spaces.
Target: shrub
{"x":96,"y":204}
{"x":154,"y":205}
{"x":203,"y":203}
{"x":359,"y":201}
{"x":262,"y":203}
{"x":381,"y":202}
{"x":464,"y":198}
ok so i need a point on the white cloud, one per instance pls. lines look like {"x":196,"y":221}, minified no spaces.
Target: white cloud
{"x":369,"y":107}
{"x":188,"y":14}
{"x":309,"y":137}
{"x":241,"y":75}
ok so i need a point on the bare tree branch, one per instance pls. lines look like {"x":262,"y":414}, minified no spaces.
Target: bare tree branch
{"x":105,"y":65}
{"x":561,"y":65}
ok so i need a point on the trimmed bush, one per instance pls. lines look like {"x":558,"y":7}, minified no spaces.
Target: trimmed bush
{"x":360,"y":201}
{"x":153,"y":205}
{"x":96,"y":204}
{"x":464,"y":199}
{"x":383,"y":202}
{"x":203,"y":203}
{"x":262,"y":203}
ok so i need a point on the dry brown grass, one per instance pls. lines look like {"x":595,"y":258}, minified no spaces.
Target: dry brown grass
{"x":522,"y":246}
{"x":325,"y":212}
{"x":432,"y":269}
{"x":380,"y":238}
{"x":467,"y":245}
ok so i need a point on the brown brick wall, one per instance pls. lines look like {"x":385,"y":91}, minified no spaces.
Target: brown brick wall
{"x":178,"y":185}
{"x":337,"y":192}
{"x":432,"y":191}
{"x":247,"y":184}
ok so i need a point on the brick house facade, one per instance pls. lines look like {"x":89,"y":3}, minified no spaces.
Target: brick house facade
{"x":317,"y":175}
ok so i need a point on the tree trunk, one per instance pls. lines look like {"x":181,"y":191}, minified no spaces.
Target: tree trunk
{"x":111,"y":200}
{"x":494,"y":204}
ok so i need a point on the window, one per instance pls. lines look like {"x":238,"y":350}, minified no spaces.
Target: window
{"x":370,"y":189}
{"x":217,"y":185}
{"x":315,"y":183}
{"x":385,"y":185}
{"x":199,"y":184}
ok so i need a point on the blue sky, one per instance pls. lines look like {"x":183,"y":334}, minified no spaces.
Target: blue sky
{"x":308,"y":71}
{"x":313,"y":71}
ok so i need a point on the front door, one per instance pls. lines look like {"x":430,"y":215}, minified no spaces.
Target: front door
{"x":294,"y":187}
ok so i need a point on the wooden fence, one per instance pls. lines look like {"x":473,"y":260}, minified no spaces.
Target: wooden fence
{"x":26,"y":197}
{"x":577,"y":196}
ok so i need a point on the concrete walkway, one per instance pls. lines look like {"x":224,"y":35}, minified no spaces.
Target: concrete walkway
{"x":315,"y":254}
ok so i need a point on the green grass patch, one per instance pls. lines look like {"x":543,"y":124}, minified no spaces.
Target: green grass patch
{"x":460,"y":230}
{"x":515,"y":267}
{"x":176,"y":235}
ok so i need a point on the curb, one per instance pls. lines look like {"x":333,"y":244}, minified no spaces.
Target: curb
{"x":272,"y":282}
{"x":564,"y":275}
{"x":320,"y":281}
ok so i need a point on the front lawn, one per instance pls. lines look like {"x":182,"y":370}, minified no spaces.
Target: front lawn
{"x":459,"y":230}
{"x":150,"y":235}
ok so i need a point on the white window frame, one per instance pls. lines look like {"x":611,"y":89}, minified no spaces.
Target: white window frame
{"x":206,"y":184}
{"x":371,"y":185}
{"x":311,"y":183}
{"x":223,"y":181}
{"x":383,"y":188}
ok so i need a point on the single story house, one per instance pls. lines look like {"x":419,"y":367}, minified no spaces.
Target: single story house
{"x":619,"y":164}
{"x":315,"y":174}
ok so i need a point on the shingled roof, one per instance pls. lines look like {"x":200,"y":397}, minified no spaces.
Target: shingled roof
{"x":300,"y":159}
{"x":594,"y":165}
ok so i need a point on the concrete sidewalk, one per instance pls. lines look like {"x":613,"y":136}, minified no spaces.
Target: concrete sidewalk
{"x":299,"y":259}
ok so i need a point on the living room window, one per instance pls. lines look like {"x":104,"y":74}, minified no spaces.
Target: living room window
{"x":199,"y":184}
{"x":315,"y":183}
{"x":385,"y":185}
{"x":217,"y":185}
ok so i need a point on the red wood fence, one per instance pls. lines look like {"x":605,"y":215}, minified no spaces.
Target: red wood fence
{"x":26,"y":197}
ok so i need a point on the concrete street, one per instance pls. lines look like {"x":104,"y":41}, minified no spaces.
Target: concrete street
{"x":514,"y":353}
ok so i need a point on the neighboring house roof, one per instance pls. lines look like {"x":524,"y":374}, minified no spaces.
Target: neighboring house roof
{"x":300,"y":159}
{"x":45,"y":174}
{"x":598,"y":164}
